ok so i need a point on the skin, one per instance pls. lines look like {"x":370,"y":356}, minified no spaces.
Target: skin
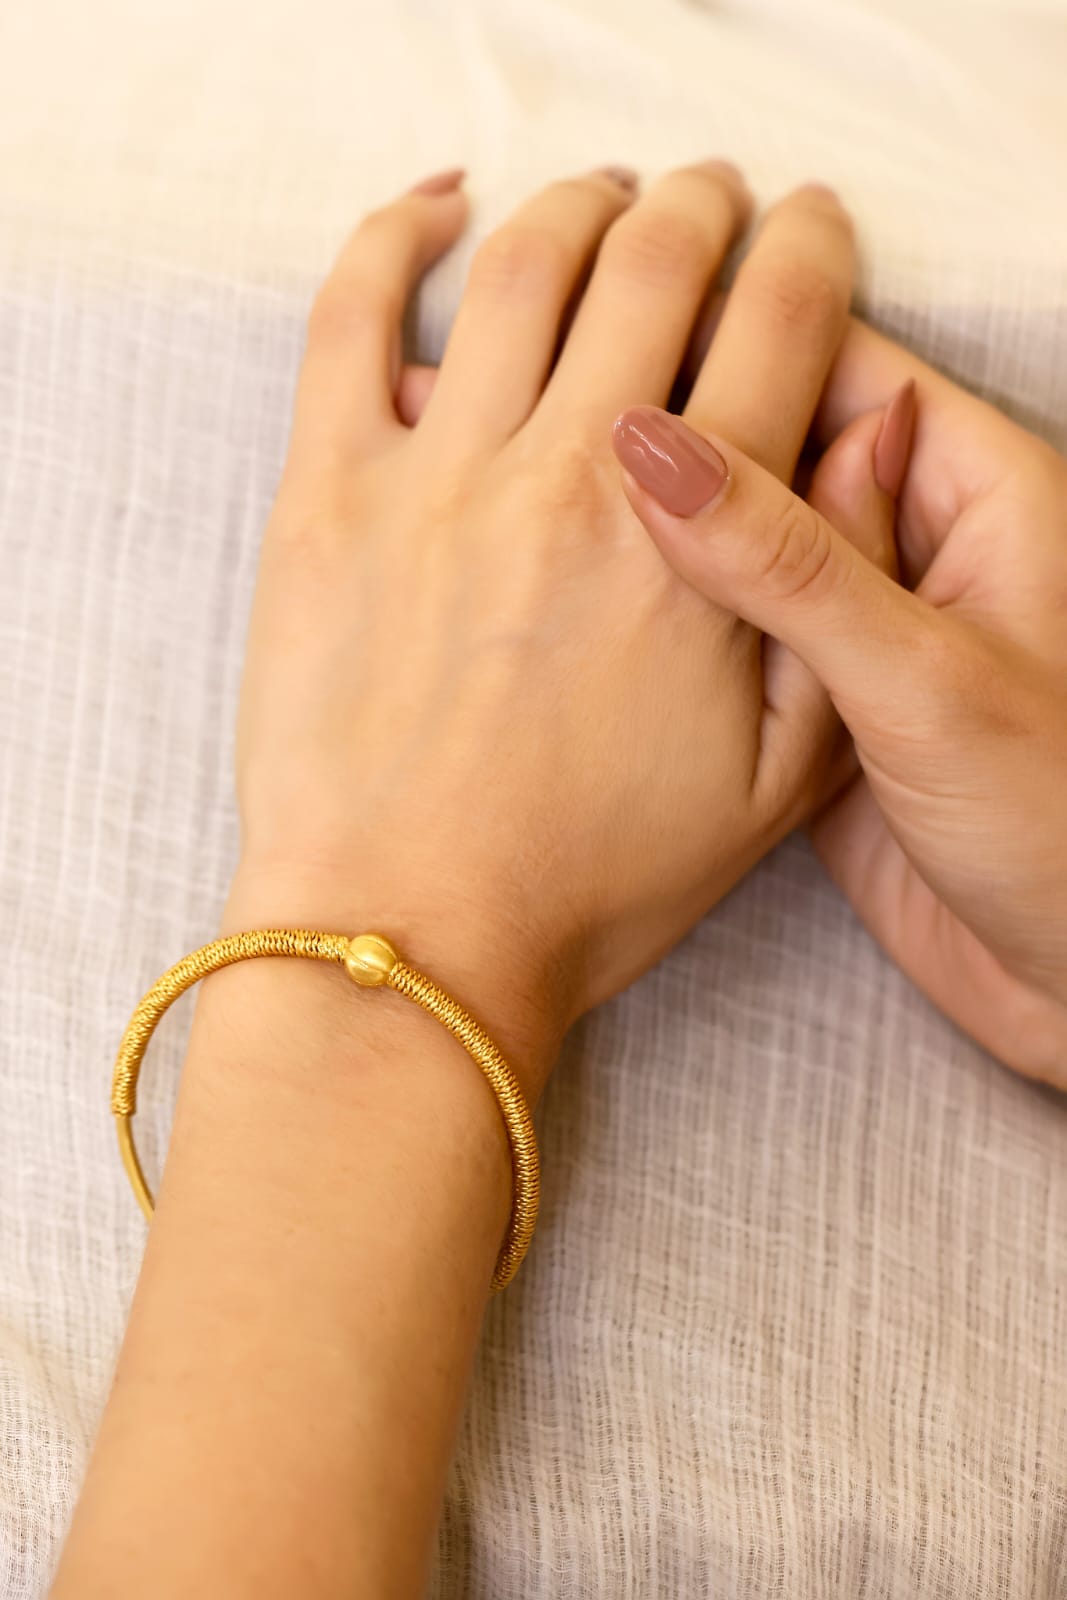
{"x":480,"y":715}
{"x":951,"y":839}
{"x":462,"y":638}
{"x":957,"y":860}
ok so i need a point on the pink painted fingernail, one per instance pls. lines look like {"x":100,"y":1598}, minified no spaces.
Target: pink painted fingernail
{"x":675,"y":465}
{"x":440,"y":182}
{"x":892,"y":448}
{"x":625,"y":177}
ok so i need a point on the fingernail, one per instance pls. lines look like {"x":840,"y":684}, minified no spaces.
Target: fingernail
{"x":625,"y":177}
{"x":440,"y":182}
{"x":892,"y":448}
{"x":671,"y":462}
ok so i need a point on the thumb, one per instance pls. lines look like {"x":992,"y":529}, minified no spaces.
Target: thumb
{"x":739,"y":536}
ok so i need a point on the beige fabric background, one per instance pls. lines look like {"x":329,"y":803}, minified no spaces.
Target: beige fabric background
{"x":796,"y":1320}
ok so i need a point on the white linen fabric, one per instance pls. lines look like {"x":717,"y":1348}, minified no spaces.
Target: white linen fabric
{"x":795,"y":1323}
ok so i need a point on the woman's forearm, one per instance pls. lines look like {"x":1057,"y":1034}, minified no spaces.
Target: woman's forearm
{"x":286,"y":1398}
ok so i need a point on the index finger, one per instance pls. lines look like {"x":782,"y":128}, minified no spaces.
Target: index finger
{"x":963,"y":448}
{"x":868,"y":371}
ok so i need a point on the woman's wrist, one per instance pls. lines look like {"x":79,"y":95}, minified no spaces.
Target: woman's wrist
{"x":516,"y":989}
{"x":337,"y":1188}
{"x":281,"y":1043}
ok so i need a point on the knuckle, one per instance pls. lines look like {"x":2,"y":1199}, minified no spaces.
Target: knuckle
{"x":656,"y":248}
{"x":520,"y":260}
{"x":796,"y":295}
{"x":568,"y":479}
{"x":797,"y":552}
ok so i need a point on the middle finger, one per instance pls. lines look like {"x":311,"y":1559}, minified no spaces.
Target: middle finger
{"x":651,"y":275}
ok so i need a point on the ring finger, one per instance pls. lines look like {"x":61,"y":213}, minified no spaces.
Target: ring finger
{"x":784,"y":319}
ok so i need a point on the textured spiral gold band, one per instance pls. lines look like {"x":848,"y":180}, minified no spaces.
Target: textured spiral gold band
{"x":372,"y":962}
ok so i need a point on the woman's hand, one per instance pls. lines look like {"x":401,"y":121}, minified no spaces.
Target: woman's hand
{"x":951,"y":842}
{"x":480,"y":712}
{"x":481,"y":715}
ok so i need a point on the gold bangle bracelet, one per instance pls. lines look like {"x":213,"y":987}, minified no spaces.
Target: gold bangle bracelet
{"x":372,"y":962}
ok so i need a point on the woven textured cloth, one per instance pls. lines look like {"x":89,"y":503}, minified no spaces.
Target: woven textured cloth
{"x":795,"y":1322}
